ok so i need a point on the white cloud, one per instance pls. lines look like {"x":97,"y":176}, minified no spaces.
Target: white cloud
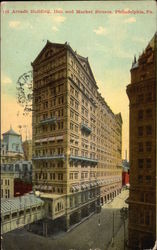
{"x":20,"y":25}
{"x":14,"y":24}
{"x":130,"y":20}
{"x":54,"y":28}
{"x":6,"y":80}
{"x":58,"y":19}
{"x":101,"y":31}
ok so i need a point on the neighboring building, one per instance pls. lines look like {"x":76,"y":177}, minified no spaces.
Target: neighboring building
{"x":77,"y":139}
{"x":125,"y":173}
{"x":142,"y":199}
{"x":20,"y":169}
{"x":11,"y":147}
{"x":7,"y":185}
{"x":21,"y":187}
{"x":27,"y":149}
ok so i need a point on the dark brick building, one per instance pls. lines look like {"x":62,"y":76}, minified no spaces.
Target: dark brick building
{"x":142,"y":199}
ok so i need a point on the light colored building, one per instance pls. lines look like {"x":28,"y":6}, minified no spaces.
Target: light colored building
{"x":20,"y":169}
{"x":7,"y":185}
{"x":77,"y":139}
{"x":11,"y":147}
{"x":142,"y":198}
{"x":27,"y":149}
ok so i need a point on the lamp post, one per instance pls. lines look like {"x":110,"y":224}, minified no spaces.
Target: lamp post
{"x":124,"y":215}
{"x":113,"y":229}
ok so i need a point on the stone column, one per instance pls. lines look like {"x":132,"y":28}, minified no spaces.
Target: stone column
{"x":79,"y":215}
{"x":67,"y":222}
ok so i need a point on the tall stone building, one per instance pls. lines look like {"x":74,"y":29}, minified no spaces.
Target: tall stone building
{"x":142,"y":199}
{"x":77,"y":139}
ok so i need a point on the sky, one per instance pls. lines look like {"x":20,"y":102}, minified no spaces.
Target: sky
{"x":109,"y":40}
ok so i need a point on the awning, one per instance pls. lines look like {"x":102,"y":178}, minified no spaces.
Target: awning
{"x":83,"y":186}
{"x":59,"y":137}
{"x":51,"y":138}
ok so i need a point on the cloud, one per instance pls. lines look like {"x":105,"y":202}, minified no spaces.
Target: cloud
{"x":58,"y":19}
{"x":20,"y":25}
{"x":101,"y":31}
{"x":54,"y":28}
{"x":6,"y":80}
{"x":130,"y":20}
{"x":14,"y":24}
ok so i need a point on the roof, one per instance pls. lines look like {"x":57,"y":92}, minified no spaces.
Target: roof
{"x":58,"y":46}
{"x":135,"y":65}
{"x":19,"y":203}
{"x":10,"y":132}
{"x":49,"y":196}
{"x":152,"y":42}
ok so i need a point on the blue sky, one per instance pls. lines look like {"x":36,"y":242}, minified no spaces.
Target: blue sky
{"x":110,"y":42}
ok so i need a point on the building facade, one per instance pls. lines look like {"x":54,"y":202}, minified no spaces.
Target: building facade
{"x":7,"y":185}
{"x":77,"y":139}
{"x":27,"y":149}
{"x":125,"y":173}
{"x":20,"y":169}
{"x":142,"y":199}
{"x":11,"y":147}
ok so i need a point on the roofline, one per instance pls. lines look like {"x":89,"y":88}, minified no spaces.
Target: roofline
{"x":75,"y":55}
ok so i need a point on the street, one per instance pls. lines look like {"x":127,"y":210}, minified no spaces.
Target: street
{"x":95,"y":233}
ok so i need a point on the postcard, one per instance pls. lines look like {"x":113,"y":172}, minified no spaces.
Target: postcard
{"x":67,"y":124}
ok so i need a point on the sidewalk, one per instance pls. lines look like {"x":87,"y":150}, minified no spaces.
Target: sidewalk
{"x":119,"y":238}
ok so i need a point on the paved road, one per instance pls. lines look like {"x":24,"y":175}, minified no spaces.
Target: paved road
{"x":94,"y":234}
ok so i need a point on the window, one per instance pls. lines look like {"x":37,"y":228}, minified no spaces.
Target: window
{"x":76,"y":175}
{"x":140,"y":163}
{"x":140,"y":114}
{"x":140,"y":179}
{"x":76,"y":93}
{"x":149,"y":113}
{"x":71,"y":89}
{"x":140,"y":131}
{"x":60,"y":176}
{"x":147,"y":218}
{"x":45,"y":176}
{"x":71,"y":126}
{"x":148,"y":179}
{"x":148,"y":130}
{"x":148,"y":163}
{"x":141,"y":217}
{"x":149,"y":97}
{"x":76,"y":105}
{"x":76,"y":128}
{"x":71,"y":176}
{"x":71,"y":201}
{"x":140,"y":98}
{"x":148,"y":146}
{"x":71,"y":102}
{"x":140,"y":147}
